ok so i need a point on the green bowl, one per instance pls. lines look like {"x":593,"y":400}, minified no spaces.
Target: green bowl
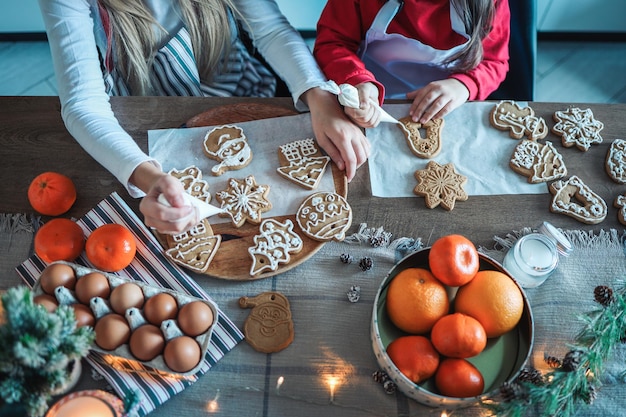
{"x":501,"y":361}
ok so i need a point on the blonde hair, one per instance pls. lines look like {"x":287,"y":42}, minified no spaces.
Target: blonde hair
{"x":132,"y":27}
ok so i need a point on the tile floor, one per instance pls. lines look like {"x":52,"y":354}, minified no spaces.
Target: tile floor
{"x":572,"y":72}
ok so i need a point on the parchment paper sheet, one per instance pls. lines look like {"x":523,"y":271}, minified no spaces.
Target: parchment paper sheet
{"x":477,"y":150}
{"x":181,"y":148}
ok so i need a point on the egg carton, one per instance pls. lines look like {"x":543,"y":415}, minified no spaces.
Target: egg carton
{"x":101,"y":307}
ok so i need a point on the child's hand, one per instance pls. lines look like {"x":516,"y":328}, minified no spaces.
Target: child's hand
{"x":368,"y":113}
{"x":437,"y":99}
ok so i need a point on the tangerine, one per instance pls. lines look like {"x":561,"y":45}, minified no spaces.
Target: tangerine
{"x":414,"y":356}
{"x":51,"y":193}
{"x":416,"y":300}
{"x":111,"y":247}
{"x":59,"y":239}
{"x":453,"y":260}
{"x":459,"y":378}
{"x":458,"y":335}
{"x":493,"y":299}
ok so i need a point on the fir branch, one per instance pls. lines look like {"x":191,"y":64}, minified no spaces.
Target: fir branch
{"x":576,"y":381}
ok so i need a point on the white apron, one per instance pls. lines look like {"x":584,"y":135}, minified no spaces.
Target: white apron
{"x":402,"y":64}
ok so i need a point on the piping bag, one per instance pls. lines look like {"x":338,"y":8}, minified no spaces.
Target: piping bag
{"x":204,"y":209}
{"x":349,"y":97}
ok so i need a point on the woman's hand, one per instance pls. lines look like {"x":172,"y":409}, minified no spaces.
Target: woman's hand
{"x":368,"y":113}
{"x":437,"y":99}
{"x":174,"y":219}
{"x":342,"y":140}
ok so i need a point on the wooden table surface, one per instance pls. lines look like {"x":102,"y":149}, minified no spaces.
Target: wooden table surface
{"x":34,"y":140}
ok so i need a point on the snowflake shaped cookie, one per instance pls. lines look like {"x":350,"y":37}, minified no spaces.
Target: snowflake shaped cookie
{"x":577,"y":127}
{"x":273,"y":245}
{"x":440,"y":184}
{"x":244,"y":200}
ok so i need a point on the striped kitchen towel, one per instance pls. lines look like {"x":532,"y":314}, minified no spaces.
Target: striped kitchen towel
{"x":151,"y":267}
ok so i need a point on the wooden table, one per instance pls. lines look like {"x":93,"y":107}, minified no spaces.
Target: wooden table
{"x":34,"y":140}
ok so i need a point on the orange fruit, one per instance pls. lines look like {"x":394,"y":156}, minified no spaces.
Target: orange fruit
{"x":414,"y":356}
{"x":59,"y":240}
{"x":458,"y":378}
{"x":416,"y":300}
{"x":453,"y":260}
{"x":111,"y":247}
{"x":458,"y":336}
{"x":493,"y":299}
{"x":51,"y":193}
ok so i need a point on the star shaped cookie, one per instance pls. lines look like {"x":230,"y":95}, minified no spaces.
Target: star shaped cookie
{"x":440,"y":184}
{"x":244,"y":200}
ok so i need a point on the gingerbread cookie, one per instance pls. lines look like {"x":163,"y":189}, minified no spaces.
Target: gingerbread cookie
{"x":577,"y":127}
{"x":575,"y":199}
{"x":273,"y":245}
{"x":269,"y":327}
{"x":616,"y":161}
{"x":195,"y":248}
{"x":302,"y":163}
{"x":539,"y":162}
{"x":191,"y":177}
{"x":440,"y":184}
{"x":324,"y":216}
{"x":423,"y":147}
{"x":620,"y":203}
{"x":227,"y":145}
{"x":520,"y":122}
{"x":244,"y":200}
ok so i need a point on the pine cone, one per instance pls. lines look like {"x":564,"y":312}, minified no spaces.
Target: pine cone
{"x":592,"y":394}
{"x":571,"y":361}
{"x":531,"y":375}
{"x":603,"y":295}
{"x":366,"y":264}
{"x":511,"y":391}
{"x":379,"y":240}
{"x":380,"y":376}
{"x":389,"y":386}
{"x":346,"y":258}
{"x":552,"y":361}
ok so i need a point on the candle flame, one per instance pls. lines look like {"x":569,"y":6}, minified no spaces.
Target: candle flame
{"x":212,"y":406}
{"x":279,"y":382}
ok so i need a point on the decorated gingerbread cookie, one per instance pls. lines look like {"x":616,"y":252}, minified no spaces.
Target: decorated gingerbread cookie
{"x":191,"y":177}
{"x":244,"y":200}
{"x":575,"y":199}
{"x":302,"y":163}
{"x":519,"y":121}
{"x":578,"y":128}
{"x":229,"y":146}
{"x":324,"y":216}
{"x":620,"y":203}
{"x":273,"y":245}
{"x":440,"y":184}
{"x":269,"y":327}
{"x":195,"y":248}
{"x":616,"y":161}
{"x":539,"y":162}
{"x":423,"y":147}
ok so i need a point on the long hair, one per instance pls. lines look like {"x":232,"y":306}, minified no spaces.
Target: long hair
{"x":134,"y":37}
{"x":478,"y":18}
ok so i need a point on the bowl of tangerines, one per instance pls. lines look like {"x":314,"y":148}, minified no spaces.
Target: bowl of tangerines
{"x":450,"y":325}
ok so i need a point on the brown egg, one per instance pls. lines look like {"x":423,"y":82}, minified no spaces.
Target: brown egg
{"x":56,"y":275}
{"x":46,"y":300}
{"x":146,"y":342}
{"x":112,"y":331}
{"x":84,"y":315}
{"x":195,"y":318}
{"x":160,"y":307}
{"x":126,"y":296}
{"x":92,"y":285}
{"x":182,"y":354}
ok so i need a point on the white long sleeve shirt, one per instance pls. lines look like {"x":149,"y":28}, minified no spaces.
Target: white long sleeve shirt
{"x":85,"y":105}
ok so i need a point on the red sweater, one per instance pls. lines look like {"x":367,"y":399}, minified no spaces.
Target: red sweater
{"x":343,"y":24}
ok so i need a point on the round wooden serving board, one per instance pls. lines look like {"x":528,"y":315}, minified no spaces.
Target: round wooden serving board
{"x":232,"y":260}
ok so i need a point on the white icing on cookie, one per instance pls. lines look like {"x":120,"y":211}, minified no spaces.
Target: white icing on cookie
{"x":302,"y":162}
{"x":194,"y":248}
{"x":325,"y":216}
{"x":273,"y":245}
{"x":539,"y":162}
{"x":244,"y":200}
{"x":575,"y":199}
{"x":228,"y":145}
{"x":616,"y":161}
{"x":577,"y":127}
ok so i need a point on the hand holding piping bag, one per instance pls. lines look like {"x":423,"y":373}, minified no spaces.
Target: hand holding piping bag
{"x":203,"y":209}
{"x":349,"y":97}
